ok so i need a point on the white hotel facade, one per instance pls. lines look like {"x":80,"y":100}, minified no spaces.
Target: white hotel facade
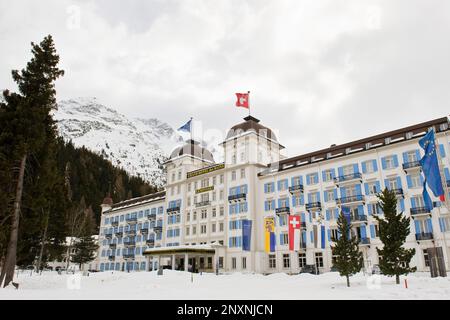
{"x":196,"y":222}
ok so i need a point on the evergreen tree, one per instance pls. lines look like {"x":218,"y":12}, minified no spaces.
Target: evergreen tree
{"x":349,"y":260}
{"x":27,"y":123}
{"x":85,"y":246}
{"x":394,"y":228}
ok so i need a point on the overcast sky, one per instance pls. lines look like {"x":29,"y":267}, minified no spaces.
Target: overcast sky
{"x":319,"y":72}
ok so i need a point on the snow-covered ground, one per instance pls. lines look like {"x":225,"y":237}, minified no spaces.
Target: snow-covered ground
{"x":178,"y":285}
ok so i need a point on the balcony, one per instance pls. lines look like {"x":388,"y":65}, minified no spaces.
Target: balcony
{"x":360,"y":218}
{"x":115,"y":223}
{"x":398,"y":192}
{"x":150,"y":242}
{"x":111,"y":258}
{"x":202,"y":204}
{"x":313,"y":205}
{"x":129,"y":243}
{"x":413,"y":165}
{"x":144,"y":230}
{"x":131,"y":220}
{"x":282,"y":210}
{"x":448,"y":183}
{"x":113,"y":245}
{"x":128,"y":255}
{"x":364,"y":241}
{"x":351,"y":199}
{"x":108,"y":235}
{"x":130,"y":232}
{"x":237,"y":197}
{"x":157,"y":229}
{"x":151,"y":216}
{"x":119,"y":234}
{"x":173,"y":210}
{"x":303,"y":225}
{"x":348,"y":178}
{"x":419,"y":211}
{"x":424,"y":236}
{"x":296,"y":189}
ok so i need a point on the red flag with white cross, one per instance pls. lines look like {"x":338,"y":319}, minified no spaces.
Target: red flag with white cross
{"x":294,"y":233}
{"x":242,"y":100}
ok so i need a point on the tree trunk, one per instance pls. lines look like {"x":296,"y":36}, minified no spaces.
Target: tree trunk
{"x":348,"y":281}
{"x":44,"y":236}
{"x":397,"y":279}
{"x":11,"y":257}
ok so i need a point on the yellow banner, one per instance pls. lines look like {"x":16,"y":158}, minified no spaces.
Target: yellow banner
{"x":269,"y":228}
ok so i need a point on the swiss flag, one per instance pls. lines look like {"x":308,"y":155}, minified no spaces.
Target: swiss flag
{"x":242,"y":100}
{"x":294,"y":233}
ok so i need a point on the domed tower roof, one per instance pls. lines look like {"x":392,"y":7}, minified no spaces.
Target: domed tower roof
{"x":194,"y":149}
{"x":251,"y":124}
{"x":108,"y":200}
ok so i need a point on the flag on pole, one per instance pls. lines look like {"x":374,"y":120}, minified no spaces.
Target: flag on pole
{"x":269,"y":227}
{"x":430,"y":165}
{"x":322,"y":237}
{"x":426,"y":197}
{"x":346,"y":212}
{"x":294,"y":233}
{"x":186,"y":127}
{"x":246,"y":234}
{"x":242,"y":100}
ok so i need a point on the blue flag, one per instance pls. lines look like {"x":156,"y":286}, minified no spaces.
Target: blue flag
{"x":430,"y":165}
{"x":246,"y":234}
{"x":346,"y":212}
{"x":426,"y":197}
{"x":186,"y":127}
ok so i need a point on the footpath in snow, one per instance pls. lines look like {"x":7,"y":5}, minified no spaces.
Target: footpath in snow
{"x":178,"y":285}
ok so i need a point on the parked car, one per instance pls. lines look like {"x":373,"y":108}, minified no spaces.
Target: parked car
{"x":309,"y":268}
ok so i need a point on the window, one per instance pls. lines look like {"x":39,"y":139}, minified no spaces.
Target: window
{"x":221,"y":178}
{"x":233,"y":263}
{"x":283,"y":220}
{"x":375,"y":208}
{"x":296,"y":181}
{"x":244,"y":263}
{"x":313,"y":197}
{"x":214,"y":210}
{"x":284,"y":238}
{"x":221,"y":195}
{"x":426,"y":257}
{"x":242,"y":156}
{"x":392,"y":184}
{"x":328,"y":175}
{"x":179,"y":175}
{"x":220,"y":262}
{"x":312,"y":178}
{"x":301,"y":260}
{"x":233,"y":175}
{"x":417,"y":201}
{"x":334,"y":233}
{"x":221,"y":227}
{"x":329,"y":195}
{"x":272,"y":261}
{"x":348,"y":170}
{"x":372,"y":188}
{"x":242,"y":173}
{"x":203,"y":229}
{"x":188,"y":201}
{"x":411,"y":156}
{"x":187,"y":230}
{"x":214,"y":196}
{"x":194,"y":230}
{"x":178,"y":189}
{"x":319,"y":259}
{"x":415,"y":181}
{"x":189,"y":187}
{"x":204,"y":214}
{"x":221,"y":211}
{"x":282,"y":185}
{"x":369,"y":166}
{"x":233,"y":159}
{"x":284,"y":203}
{"x":286,"y":260}
{"x":389,"y":162}
{"x":173,"y":177}
{"x":269,"y":187}
{"x":214,"y":181}
{"x":194,"y":216}
{"x":213,"y":228}
{"x":188,"y":216}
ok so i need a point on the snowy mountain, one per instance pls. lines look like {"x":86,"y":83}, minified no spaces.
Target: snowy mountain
{"x":139,"y":146}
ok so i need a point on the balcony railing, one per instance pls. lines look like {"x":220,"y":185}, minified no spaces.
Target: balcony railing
{"x":411,"y":165}
{"x":237,"y":197}
{"x":129,"y":243}
{"x":157,"y":228}
{"x":151,"y":216}
{"x":360,"y":218}
{"x":351,"y":199}
{"x":144,"y":230}
{"x":150,"y":242}
{"x":364,"y":241}
{"x":130,"y":232}
{"x":115,"y":223}
{"x":119,"y":234}
{"x":348,"y":178}
{"x":111,"y":257}
{"x":313,"y":205}
{"x":108,"y":235}
{"x":419,"y":211}
{"x":398,"y":192}
{"x":128,"y":255}
{"x":296,"y":189}
{"x":424,"y":236}
{"x":282,"y":210}
{"x":131,"y":219}
{"x":113,"y":245}
{"x":173,"y":210}
{"x":202,"y":204}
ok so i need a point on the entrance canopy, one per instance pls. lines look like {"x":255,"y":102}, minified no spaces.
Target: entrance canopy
{"x":201,"y":248}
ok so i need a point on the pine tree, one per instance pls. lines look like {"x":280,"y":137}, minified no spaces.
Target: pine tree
{"x":26,"y":123}
{"x":394,"y":228}
{"x":349,"y":260}
{"x":85,"y":246}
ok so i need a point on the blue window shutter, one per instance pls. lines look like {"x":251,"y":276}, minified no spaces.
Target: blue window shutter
{"x":327,"y":213}
{"x":429,"y":225}
{"x":292,"y":181}
{"x":273,"y":185}
{"x":358,"y":189}
{"x":336,"y":213}
{"x":378,"y":186}
{"x":318,"y":196}
{"x":386,"y":183}
{"x":395,"y":161}
{"x":308,"y":180}
{"x":417,"y":154}
{"x":335,"y":193}
{"x":273,"y":203}
{"x":265,"y":188}
{"x":302,"y":215}
{"x":363,"y":231}
{"x":311,"y":236}
{"x":409,"y":181}
{"x":447,"y":173}
{"x":399,"y":182}
{"x":340,"y":171}
{"x":293,"y":200}
{"x":375,"y":165}
{"x":304,"y":240}
{"x":441,"y":224}
{"x":364,"y":168}
{"x":442,"y":150}
{"x":238,"y":190}
{"x":383,"y":163}
{"x":310,"y":218}
{"x":405,"y":157}
{"x":413,"y":202}
{"x":355,"y":168}
{"x":302,"y":199}
{"x":361,"y":209}
{"x":316,"y":178}
{"x":279,"y":203}
{"x":266,"y":205}
{"x":281,"y":239}
{"x":323,"y":176}
{"x":366,"y":188}
{"x":324,"y":195}
{"x":402,"y":205}
{"x":309,"y":197}
{"x":369,"y":209}
{"x":372,"y":231}
{"x":329,"y":235}
{"x":417,"y":226}
{"x":229,"y":242}
{"x":279,"y":185}
{"x":343,"y":192}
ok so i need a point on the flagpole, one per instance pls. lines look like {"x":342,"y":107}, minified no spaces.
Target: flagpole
{"x":191,"y":129}
{"x":248,"y":102}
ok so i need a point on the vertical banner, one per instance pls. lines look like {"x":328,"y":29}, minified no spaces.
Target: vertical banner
{"x":322,"y":236}
{"x":294,"y":233}
{"x":269,"y":228}
{"x":346,"y":212}
{"x":315,"y":239}
{"x":246,"y":234}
